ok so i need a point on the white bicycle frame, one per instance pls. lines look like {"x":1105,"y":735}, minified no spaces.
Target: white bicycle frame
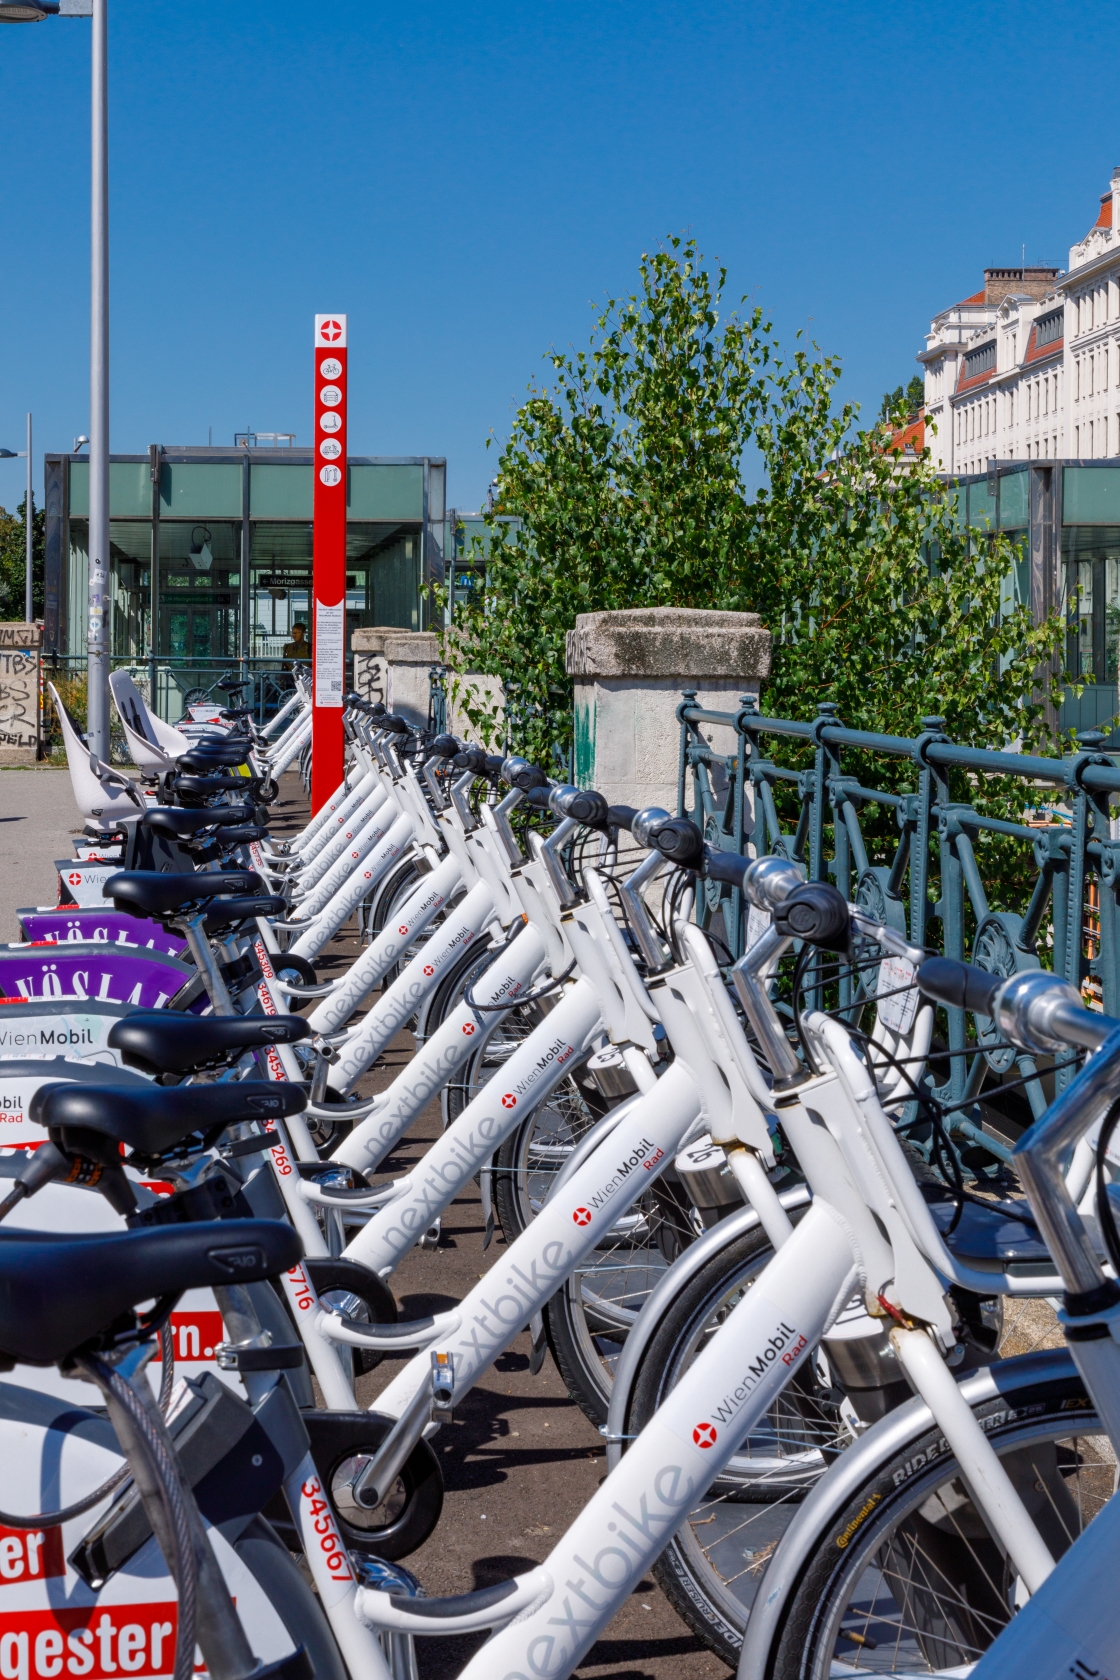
{"x":857,"y":1171}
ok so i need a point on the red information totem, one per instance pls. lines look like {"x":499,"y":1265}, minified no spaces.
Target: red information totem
{"x":329,"y":629}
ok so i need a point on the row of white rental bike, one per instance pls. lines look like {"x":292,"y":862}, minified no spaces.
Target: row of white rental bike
{"x":730,"y":1208}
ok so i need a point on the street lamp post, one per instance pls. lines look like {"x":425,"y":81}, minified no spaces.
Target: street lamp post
{"x":97,"y":623}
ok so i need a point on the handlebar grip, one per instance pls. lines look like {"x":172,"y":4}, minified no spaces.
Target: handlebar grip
{"x":444,"y":746}
{"x":817,"y":913}
{"x":959,"y":984}
{"x":538,"y":797}
{"x":681,"y":841}
{"x":727,"y":866}
{"x":587,"y":807}
{"x":620,"y":816}
{"x":473,"y":760}
{"x":493,"y":767}
{"x":520,"y":774}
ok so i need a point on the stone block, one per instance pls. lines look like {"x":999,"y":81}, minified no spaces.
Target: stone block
{"x":19,"y":692}
{"x":630,"y":668}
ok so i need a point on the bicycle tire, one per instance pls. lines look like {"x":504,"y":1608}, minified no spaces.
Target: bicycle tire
{"x":913,"y":1513}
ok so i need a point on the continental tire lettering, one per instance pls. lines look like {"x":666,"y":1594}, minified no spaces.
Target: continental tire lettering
{"x":860,"y":1517}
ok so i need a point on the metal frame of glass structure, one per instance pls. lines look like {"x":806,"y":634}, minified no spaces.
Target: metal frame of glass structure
{"x":1064,"y":518}
{"x":211,"y":555}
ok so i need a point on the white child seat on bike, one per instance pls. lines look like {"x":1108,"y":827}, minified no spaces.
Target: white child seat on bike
{"x":155,"y":745}
{"x":101,"y":794}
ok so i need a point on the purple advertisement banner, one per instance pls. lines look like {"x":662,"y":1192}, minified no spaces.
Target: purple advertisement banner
{"x":113,"y":926}
{"x":98,"y":972}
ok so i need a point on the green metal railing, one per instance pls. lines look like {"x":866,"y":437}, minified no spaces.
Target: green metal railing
{"x":926,"y":880}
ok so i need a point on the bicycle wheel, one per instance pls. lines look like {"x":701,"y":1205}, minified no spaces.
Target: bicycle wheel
{"x":713,"y":1567}
{"x":907,"y":1580}
{"x":592,"y":1313}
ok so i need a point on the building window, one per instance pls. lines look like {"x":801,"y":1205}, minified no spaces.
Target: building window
{"x":1077,"y":442}
{"x":980,"y":360}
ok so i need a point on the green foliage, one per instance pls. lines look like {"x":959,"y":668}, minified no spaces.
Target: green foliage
{"x":13,"y":563}
{"x":900,"y":404}
{"x":622,"y":485}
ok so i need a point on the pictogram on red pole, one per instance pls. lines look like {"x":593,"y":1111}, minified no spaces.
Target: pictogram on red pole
{"x":328,"y":649}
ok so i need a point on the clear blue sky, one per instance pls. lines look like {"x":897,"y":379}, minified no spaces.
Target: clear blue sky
{"x":466,"y":181}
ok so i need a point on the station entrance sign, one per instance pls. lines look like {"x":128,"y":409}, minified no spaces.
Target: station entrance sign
{"x":328,"y":631}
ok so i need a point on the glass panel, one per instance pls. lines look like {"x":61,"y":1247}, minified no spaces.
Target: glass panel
{"x":130,"y":489}
{"x":130,"y":546}
{"x":385,"y":492}
{"x":1091,"y":496}
{"x":77,"y":586}
{"x":199,"y":591}
{"x":389,"y":557}
{"x":1013,"y":489}
{"x":1092,"y":582}
{"x":278,"y":490}
{"x":981,"y":506}
{"x":200,"y":489}
{"x":279,"y":584}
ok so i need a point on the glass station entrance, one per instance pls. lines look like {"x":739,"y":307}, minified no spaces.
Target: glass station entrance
{"x":211,"y":561}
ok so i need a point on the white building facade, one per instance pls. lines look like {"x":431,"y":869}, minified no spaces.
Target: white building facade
{"x":1028,"y":368}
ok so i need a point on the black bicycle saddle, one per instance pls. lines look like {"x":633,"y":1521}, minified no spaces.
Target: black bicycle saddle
{"x":211,"y":755}
{"x":153,"y":1119}
{"x":178,"y":823}
{"x":206,"y":787}
{"x":165,"y":1041}
{"x":57,"y":1293}
{"x":228,"y":910}
{"x":144,"y":893}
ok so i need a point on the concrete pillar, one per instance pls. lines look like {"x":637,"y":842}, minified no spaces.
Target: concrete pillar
{"x":392,"y":665}
{"x":19,"y":692}
{"x":370,"y":671}
{"x":409,"y":656}
{"x":629,"y":669}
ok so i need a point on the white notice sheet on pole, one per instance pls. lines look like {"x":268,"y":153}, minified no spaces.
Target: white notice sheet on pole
{"x":330,"y":634}
{"x":898,"y":995}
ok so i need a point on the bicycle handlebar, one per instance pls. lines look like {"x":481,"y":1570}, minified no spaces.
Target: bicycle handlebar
{"x":959,"y":985}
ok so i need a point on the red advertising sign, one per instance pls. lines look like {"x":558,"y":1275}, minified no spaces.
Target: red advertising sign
{"x":328,"y":631}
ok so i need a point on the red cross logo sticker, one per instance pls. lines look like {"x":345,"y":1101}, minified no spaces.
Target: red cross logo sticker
{"x":74,"y":879}
{"x":331,"y":331}
{"x":704,"y":1435}
{"x":428,"y":969}
{"x":468,"y":1027}
{"x":509,"y":1100}
{"x":403,"y":928}
{"x":582,"y":1216}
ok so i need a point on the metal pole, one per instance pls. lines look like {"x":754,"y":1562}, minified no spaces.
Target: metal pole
{"x":97,"y":716}
{"x":29,"y":521}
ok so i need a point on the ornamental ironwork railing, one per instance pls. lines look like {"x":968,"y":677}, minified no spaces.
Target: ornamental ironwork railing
{"x":1048,"y":897}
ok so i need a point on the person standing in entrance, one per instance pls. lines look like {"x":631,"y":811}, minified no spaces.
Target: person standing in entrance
{"x":299,"y":647}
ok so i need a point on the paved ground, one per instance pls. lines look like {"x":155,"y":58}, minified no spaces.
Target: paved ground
{"x":38,"y":822}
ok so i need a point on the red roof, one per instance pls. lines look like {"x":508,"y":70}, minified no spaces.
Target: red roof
{"x":912,"y":436}
{"x":976,"y":380}
{"x":1105,"y":217}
